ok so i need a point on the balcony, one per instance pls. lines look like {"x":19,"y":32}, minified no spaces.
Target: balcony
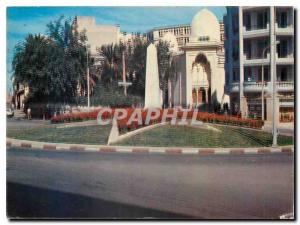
{"x":256,"y":61}
{"x":256,"y":32}
{"x":234,"y":87}
{"x":287,"y":60}
{"x":285,"y":86}
{"x":284,"y":31}
{"x":287,"y":101}
{"x":255,"y":86}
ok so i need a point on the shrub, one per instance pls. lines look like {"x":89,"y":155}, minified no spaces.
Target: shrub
{"x":123,"y":124}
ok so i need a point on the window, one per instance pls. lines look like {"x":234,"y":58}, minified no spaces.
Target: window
{"x":266,"y":74}
{"x":282,"y":49}
{"x":262,"y":20}
{"x":283,"y":74}
{"x":204,"y":38}
{"x":248,"y":50}
{"x":261,"y":45}
{"x":283,"y":19}
{"x":247,"y":19}
{"x":247,"y":74}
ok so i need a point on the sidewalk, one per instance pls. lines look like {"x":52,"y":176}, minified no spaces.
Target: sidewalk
{"x":283,"y":128}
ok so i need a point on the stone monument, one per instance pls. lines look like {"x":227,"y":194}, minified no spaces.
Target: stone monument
{"x":152,"y":90}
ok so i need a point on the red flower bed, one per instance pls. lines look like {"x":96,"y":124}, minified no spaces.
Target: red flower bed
{"x":124,"y":125}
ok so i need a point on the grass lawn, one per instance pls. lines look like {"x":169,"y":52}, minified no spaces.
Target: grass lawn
{"x":197,"y":137}
{"x":162,"y":136}
{"x":73,"y":135}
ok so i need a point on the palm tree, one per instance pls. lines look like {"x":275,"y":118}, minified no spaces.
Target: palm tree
{"x":113,"y":57}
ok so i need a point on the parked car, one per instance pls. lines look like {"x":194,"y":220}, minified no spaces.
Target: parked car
{"x":9,"y":112}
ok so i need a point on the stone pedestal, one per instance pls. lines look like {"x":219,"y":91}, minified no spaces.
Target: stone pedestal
{"x":152,"y":90}
{"x":244,"y":107}
{"x":269,"y":110}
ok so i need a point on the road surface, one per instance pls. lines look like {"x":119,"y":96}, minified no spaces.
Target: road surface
{"x":115,"y":185}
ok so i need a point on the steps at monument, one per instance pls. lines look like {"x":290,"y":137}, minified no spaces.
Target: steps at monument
{"x":19,"y":114}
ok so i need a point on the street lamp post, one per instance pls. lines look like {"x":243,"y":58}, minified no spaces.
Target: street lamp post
{"x":88,"y":76}
{"x":262,"y":87}
{"x":263,"y":81}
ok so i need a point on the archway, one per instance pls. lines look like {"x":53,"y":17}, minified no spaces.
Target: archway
{"x":201,"y":80}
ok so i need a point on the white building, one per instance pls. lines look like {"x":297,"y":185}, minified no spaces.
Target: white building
{"x":182,"y":33}
{"x":200,"y":74}
{"x":250,"y":31}
{"x":97,"y":34}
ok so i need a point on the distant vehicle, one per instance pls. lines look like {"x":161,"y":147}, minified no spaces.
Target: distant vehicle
{"x":9,"y":112}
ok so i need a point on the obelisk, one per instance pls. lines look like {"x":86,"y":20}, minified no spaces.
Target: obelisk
{"x":152,"y":90}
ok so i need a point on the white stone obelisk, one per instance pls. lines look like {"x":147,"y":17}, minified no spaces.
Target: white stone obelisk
{"x":152,"y":90}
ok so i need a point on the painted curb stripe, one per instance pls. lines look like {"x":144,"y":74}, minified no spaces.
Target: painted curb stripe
{"x":49,"y":147}
{"x":160,"y":151}
{"x":77,"y":148}
{"x":124,"y":150}
{"x":222,"y":151}
{"x":206,"y":151}
{"x":276,"y":150}
{"x":91,"y":149}
{"x":62,"y":148}
{"x":286,"y":150}
{"x":107,"y":149}
{"x":25,"y":145}
{"x":8,"y":144}
{"x":263,"y":151}
{"x":110,"y":149}
{"x":250,"y":151}
{"x":189,"y":151}
{"x":237,"y":151}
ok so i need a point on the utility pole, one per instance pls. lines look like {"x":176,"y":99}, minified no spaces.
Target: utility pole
{"x":124,"y":73}
{"x":273,"y":64}
{"x":124,"y":83}
{"x":88,"y":76}
{"x":263,"y":81}
{"x":263,"y":86}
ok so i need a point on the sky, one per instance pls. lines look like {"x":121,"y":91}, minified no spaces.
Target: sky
{"x":22,"y":21}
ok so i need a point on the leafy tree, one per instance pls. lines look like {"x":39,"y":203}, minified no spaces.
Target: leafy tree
{"x":30,"y":65}
{"x":137,"y":67}
{"x":52,"y":66}
{"x":69,"y":66}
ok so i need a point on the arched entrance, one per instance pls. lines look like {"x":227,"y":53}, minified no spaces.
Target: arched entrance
{"x":201,"y":80}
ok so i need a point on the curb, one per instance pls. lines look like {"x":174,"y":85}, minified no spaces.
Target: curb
{"x":33,"y":145}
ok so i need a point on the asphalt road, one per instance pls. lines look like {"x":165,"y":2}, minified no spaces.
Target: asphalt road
{"x":95,"y":185}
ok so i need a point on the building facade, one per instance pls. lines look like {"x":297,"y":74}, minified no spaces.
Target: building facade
{"x":181,"y":32}
{"x":97,"y":34}
{"x":259,"y":46}
{"x":199,"y":77}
